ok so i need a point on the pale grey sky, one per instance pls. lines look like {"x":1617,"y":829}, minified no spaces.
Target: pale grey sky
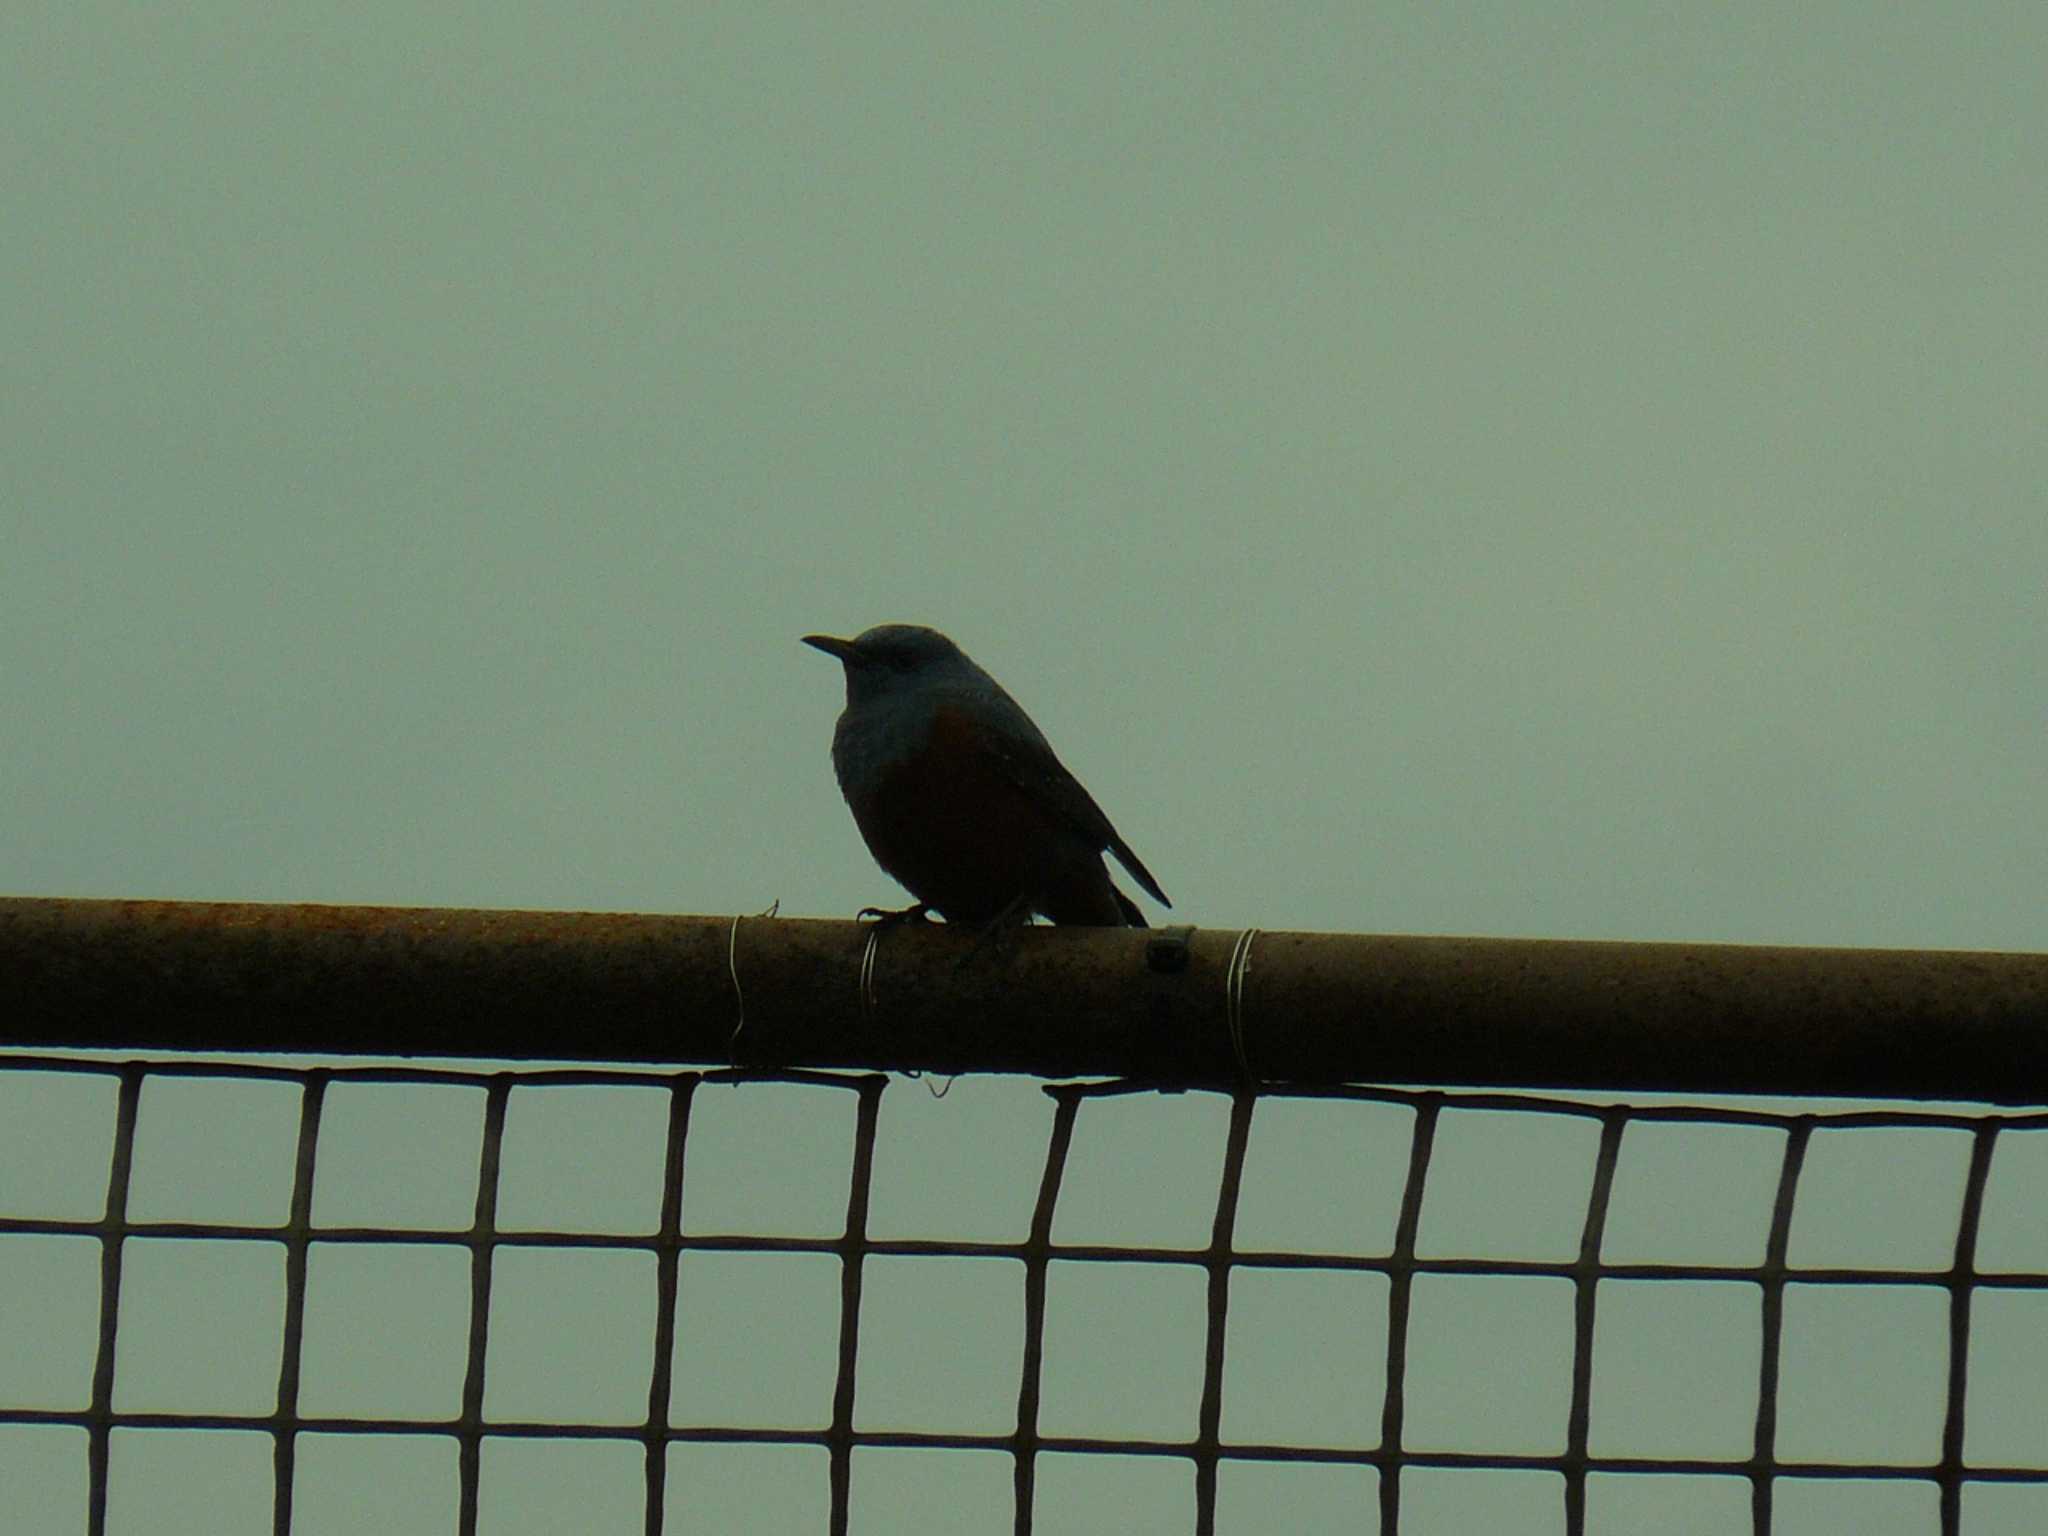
{"x":1449,"y":469}
{"x":1476,"y":468}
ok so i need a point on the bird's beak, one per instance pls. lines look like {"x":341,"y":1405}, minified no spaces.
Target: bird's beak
{"x":844,"y":650}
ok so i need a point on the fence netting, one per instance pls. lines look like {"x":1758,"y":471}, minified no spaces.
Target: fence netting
{"x":238,"y":1296}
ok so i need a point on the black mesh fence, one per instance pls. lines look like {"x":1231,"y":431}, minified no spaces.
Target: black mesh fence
{"x":1417,"y":1360}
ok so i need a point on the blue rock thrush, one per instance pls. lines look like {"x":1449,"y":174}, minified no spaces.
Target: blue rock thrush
{"x":959,"y":795}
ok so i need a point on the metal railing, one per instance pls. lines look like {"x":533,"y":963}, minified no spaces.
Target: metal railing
{"x":312,"y":984}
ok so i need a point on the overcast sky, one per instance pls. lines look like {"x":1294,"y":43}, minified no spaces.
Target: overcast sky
{"x":1565,"y":471}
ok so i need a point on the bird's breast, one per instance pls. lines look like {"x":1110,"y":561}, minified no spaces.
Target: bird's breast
{"x":950,"y":821}
{"x":872,"y":742}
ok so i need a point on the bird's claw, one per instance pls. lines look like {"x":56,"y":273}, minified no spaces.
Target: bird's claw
{"x":890,"y":917}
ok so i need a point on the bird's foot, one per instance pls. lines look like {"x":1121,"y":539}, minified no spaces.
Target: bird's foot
{"x":891,"y":917}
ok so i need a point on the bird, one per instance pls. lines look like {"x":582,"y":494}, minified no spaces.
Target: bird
{"x":960,"y":797}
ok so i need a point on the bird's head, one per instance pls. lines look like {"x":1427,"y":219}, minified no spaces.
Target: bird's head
{"x":895,"y":658}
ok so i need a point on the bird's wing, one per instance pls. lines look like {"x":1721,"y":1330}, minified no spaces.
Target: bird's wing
{"x":1026,"y":758}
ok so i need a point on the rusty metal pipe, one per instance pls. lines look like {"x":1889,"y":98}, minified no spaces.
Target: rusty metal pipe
{"x":1313,"y":1008}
